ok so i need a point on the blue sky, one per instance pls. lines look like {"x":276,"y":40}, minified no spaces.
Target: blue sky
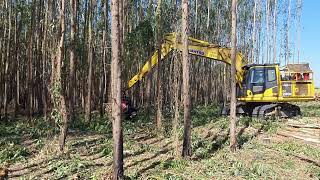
{"x":310,"y":36}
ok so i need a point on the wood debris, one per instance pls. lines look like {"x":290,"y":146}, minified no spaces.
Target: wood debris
{"x":306,"y":132}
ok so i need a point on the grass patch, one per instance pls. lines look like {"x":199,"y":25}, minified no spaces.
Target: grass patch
{"x":66,"y":167}
{"x":310,"y":109}
{"x":293,"y":147}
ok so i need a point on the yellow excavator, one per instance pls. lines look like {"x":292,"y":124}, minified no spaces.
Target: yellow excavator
{"x":262,"y":89}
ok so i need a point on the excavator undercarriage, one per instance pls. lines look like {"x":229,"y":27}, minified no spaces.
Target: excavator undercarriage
{"x":265,"y":110}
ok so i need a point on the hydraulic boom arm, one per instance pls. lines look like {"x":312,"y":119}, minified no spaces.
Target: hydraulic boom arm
{"x":197,"y":47}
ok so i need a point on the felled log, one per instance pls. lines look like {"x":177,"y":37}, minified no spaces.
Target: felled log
{"x":305,"y":131}
{"x":311,"y":126}
{"x":296,"y":136}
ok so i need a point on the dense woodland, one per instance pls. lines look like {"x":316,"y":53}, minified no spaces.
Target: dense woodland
{"x":56,"y":55}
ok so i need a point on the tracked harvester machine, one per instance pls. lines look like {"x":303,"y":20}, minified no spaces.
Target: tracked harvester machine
{"x":262,"y":89}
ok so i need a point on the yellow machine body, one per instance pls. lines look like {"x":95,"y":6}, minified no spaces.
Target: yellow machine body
{"x":293,"y":83}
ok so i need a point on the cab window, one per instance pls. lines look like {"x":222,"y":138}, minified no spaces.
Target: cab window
{"x":271,"y":75}
{"x":257,"y":76}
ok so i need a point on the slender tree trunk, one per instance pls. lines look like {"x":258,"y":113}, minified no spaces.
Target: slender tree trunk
{"x":175,"y":122}
{"x":104,"y":56}
{"x":29,"y":104}
{"x":275,"y":12}
{"x":208,"y":16}
{"x":287,"y":53}
{"x":267,"y":33}
{"x":116,"y":93}
{"x":44,"y":59}
{"x":254,"y":33}
{"x":72,"y":79}
{"x":233,"y":103}
{"x":58,"y":90}
{"x":90,"y":59}
{"x":150,"y":76}
{"x":299,"y":6}
{"x":186,"y":151}
{"x":16,"y":40}
{"x":159,"y":69}
{"x":6,"y":74}
{"x":196,"y":18}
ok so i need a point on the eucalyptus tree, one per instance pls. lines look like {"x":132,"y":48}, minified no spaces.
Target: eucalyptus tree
{"x":116,"y":93}
{"x":233,"y":102}
{"x":186,"y":151}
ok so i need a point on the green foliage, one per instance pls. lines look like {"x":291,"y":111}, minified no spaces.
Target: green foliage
{"x":11,"y":152}
{"x":12,"y":134}
{"x":101,"y":125}
{"x":271,"y":127}
{"x":176,"y":164}
{"x":204,"y":114}
{"x":107,"y":148}
{"x":63,"y":168}
{"x":141,"y":37}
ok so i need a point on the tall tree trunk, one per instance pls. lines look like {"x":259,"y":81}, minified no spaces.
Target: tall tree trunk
{"x":233,"y":103}
{"x":58,"y":94}
{"x":148,"y":98}
{"x":186,"y":151}
{"x":16,"y":40}
{"x":208,"y":16}
{"x":267,"y":33}
{"x":175,"y":122}
{"x":44,"y":61}
{"x":7,"y":60}
{"x":116,"y":93}
{"x":29,"y":104}
{"x":275,"y":12}
{"x":104,"y":56}
{"x":299,"y":6}
{"x":287,"y":50}
{"x":196,"y":18}
{"x":254,"y":33}
{"x":90,"y":59}
{"x":159,"y":69}
{"x":72,"y":79}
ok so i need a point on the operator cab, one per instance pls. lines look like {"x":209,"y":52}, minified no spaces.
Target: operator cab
{"x":259,"y":78}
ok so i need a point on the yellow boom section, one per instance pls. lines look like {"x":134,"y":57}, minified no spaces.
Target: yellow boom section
{"x":197,"y":47}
